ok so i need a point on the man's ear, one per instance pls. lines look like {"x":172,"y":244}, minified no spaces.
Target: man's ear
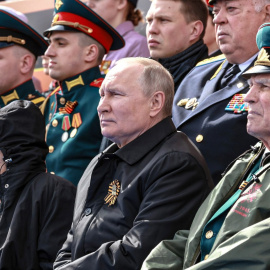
{"x":27,"y":62}
{"x":157,"y":103}
{"x":196,"y":30}
{"x":91,"y":53}
{"x":121,"y":4}
{"x":267,"y":13}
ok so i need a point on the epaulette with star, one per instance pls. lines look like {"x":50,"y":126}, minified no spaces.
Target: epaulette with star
{"x":97,"y":82}
{"x":211,"y":60}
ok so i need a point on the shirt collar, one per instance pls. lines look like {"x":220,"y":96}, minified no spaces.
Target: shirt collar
{"x":138,"y":148}
{"x":246,"y":64}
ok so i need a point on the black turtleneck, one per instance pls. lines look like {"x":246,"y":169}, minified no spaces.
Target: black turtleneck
{"x":180,"y":64}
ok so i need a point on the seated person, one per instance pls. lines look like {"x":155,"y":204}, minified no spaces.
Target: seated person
{"x":35,"y":207}
{"x":145,"y":185}
{"x":231,"y":228}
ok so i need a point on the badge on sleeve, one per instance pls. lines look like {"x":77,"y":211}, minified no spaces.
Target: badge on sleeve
{"x":113,"y":192}
{"x":237,"y":104}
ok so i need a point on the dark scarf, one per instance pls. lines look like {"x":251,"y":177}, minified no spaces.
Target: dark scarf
{"x":180,"y":64}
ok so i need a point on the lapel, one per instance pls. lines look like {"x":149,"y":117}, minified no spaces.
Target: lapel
{"x":212,"y":97}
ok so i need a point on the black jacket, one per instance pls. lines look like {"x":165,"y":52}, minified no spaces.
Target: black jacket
{"x":36,"y":207}
{"x":163,"y":181}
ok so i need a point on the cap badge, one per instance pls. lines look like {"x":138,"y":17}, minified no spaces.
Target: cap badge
{"x":58,"y":4}
{"x":263,"y":58}
{"x":113,"y":192}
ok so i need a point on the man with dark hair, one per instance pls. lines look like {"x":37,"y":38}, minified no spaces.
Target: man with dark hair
{"x":35,"y":207}
{"x":150,"y":181}
{"x":20,"y":45}
{"x":175,"y":30}
{"x":79,"y":38}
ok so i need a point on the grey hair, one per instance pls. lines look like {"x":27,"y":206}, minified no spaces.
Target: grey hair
{"x":260,"y":4}
{"x":154,"y":78}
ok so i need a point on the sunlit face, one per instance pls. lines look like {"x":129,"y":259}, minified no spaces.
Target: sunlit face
{"x":107,"y":9}
{"x":124,"y":110}
{"x":237,"y":23}
{"x":167,"y":30}
{"x":45,"y":64}
{"x":9,"y":69}
{"x":258,"y":98}
{"x":66,"y":55}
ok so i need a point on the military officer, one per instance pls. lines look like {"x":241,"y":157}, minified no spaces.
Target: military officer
{"x":79,"y":38}
{"x":20,"y":45}
{"x":208,"y":105}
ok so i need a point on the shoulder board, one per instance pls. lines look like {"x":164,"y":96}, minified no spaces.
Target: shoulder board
{"x":38,"y":100}
{"x":97,"y":82}
{"x":211,"y":60}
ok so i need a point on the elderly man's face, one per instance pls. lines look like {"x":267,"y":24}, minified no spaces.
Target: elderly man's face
{"x":124,"y":110}
{"x":167,"y":31}
{"x":237,"y":23}
{"x":258,"y":98}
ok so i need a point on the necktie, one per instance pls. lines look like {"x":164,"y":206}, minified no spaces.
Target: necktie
{"x":231,"y":71}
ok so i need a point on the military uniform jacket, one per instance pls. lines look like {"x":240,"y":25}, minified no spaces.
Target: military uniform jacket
{"x":219,"y":134}
{"x":242,"y":240}
{"x":162,"y":179}
{"x":69,"y":154}
{"x":25,"y":91}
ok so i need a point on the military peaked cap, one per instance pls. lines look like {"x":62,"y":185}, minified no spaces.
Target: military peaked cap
{"x":73,"y":15}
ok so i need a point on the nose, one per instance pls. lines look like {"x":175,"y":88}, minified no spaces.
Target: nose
{"x":49,"y":52}
{"x":251,"y":96}
{"x":103,"y":105}
{"x":151,"y":28}
{"x":220,"y":17}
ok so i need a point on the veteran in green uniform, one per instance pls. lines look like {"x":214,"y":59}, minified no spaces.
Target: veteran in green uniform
{"x":20,"y":45}
{"x":79,"y":39}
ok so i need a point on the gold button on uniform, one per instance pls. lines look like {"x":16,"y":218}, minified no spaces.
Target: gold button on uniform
{"x":206,"y":256}
{"x":209,"y":234}
{"x":51,"y":149}
{"x":62,"y":101}
{"x":199,"y":138}
{"x":54,"y":123}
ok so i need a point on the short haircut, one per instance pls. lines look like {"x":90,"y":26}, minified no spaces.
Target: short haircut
{"x":193,"y":10}
{"x":260,"y":4}
{"x":85,"y":40}
{"x":154,"y":78}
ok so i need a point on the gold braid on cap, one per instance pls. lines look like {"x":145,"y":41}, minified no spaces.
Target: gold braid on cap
{"x":263,"y":58}
{"x":13,"y":39}
{"x":75,"y":25}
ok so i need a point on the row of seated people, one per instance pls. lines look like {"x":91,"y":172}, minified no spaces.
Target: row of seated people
{"x":138,"y":177}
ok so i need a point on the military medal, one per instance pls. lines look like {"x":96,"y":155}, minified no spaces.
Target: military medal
{"x":237,"y":104}
{"x":113,"y":192}
{"x":65,"y":127}
{"x":76,"y":122}
{"x":69,"y":107}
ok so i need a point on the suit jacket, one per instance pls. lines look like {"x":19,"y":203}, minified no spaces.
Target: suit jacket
{"x":219,"y":134}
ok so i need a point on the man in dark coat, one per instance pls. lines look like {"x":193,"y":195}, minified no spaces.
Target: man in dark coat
{"x":35,"y":207}
{"x":145,"y":185}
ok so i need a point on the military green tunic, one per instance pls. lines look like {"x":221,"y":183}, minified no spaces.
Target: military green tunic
{"x":73,"y":129}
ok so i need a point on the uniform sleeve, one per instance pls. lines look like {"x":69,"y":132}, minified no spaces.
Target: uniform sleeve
{"x":248,"y":249}
{"x":56,"y":219}
{"x":173,"y":191}
{"x":168,"y":254}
